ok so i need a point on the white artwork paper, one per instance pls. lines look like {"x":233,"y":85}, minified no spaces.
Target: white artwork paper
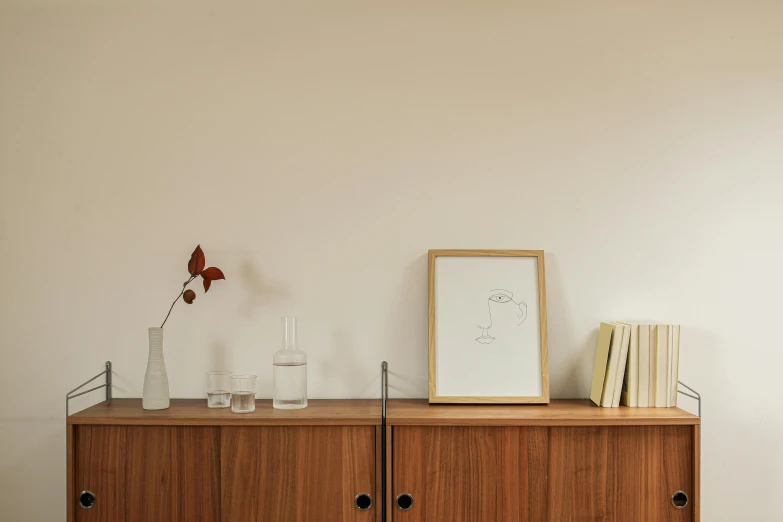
{"x":487,"y":327}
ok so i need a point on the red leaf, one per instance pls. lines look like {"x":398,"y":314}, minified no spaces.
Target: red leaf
{"x":212,"y":273}
{"x":197,"y":261}
{"x":207,"y":284}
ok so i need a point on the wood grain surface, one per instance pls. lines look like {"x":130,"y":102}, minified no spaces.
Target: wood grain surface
{"x":417,"y":412}
{"x":147,"y":473}
{"x":99,"y":467}
{"x":70,"y":463}
{"x":150,"y":486}
{"x":619,"y":474}
{"x":389,"y":470}
{"x":297,"y":474}
{"x":198,"y":472}
{"x":696,"y":496}
{"x":194,"y":412}
{"x":377,"y":494}
{"x":171,"y":474}
{"x":470,"y":474}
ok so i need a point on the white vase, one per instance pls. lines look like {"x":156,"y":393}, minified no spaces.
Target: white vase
{"x":156,"y":382}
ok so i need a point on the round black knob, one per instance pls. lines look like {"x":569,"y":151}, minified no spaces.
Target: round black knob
{"x":680,"y":500}
{"x":363,"y":501}
{"x":404,"y":501}
{"x":87,"y":499}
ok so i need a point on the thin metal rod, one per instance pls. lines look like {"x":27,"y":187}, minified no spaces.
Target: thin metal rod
{"x":108,"y":385}
{"x":86,"y":383}
{"x":384,"y":385}
{"x":696,"y":395}
{"x":87,"y":391}
{"x":384,"y":442}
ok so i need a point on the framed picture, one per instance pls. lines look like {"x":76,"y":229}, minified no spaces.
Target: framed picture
{"x":487,"y":327}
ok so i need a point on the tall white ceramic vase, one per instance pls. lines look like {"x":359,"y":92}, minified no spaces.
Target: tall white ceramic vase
{"x":156,"y":382}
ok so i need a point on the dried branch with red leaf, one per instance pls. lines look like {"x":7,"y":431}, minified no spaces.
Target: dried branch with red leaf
{"x":196,"y":268}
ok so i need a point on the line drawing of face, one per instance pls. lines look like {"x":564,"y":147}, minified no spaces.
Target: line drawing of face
{"x":504,"y":313}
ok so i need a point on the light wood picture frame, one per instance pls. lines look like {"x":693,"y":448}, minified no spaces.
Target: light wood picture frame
{"x":487,"y":327}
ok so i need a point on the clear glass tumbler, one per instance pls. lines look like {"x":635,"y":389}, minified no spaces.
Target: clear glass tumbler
{"x":243,"y":393}
{"x":289,"y":371}
{"x":218,"y":389}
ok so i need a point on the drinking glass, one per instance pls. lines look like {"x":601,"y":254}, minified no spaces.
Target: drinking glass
{"x":243,"y":393}
{"x":218,"y":389}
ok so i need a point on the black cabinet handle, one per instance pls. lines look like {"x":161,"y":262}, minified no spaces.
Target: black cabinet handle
{"x":363,"y":501}
{"x":87,"y":499}
{"x":404,"y":501}
{"x":680,"y":500}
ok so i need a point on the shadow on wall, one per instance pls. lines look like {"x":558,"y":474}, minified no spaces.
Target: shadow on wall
{"x":339,"y":368}
{"x":407,"y":385}
{"x":259,"y":290}
{"x":409,"y":362}
{"x":218,"y":356}
{"x":566,"y":376}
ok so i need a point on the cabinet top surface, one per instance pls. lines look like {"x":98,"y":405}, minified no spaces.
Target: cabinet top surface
{"x":194,"y":412}
{"x":418,"y":412}
{"x":400,"y":412}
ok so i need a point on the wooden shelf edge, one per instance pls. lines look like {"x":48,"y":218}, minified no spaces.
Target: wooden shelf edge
{"x":554,"y":422}
{"x":194,"y":412}
{"x":561,"y":412}
{"x":119,"y":421}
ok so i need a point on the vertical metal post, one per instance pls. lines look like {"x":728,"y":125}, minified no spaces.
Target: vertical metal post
{"x":384,"y":442}
{"x":108,"y":380}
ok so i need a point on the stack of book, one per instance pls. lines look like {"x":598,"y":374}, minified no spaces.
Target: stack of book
{"x":636,"y":364}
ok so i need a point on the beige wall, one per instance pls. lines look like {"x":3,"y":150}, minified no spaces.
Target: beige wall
{"x":318,"y":149}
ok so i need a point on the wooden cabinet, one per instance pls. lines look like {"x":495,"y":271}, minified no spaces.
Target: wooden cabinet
{"x":193,"y":464}
{"x":569,"y":461}
{"x":564,"y":462}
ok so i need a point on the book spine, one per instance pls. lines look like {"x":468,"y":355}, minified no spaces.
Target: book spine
{"x":644,"y":366}
{"x":675,"y":363}
{"x":662,"y":367}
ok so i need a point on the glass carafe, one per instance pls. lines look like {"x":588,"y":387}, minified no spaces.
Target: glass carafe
{"x":289,"y":367}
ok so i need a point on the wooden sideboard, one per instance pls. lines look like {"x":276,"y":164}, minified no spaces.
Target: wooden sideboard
{"x":194,"y":464}
{"x":568,"y":461}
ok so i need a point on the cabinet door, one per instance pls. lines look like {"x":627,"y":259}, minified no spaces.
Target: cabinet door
{"x":470,"y":474}
{"x":172,"y":474}
{"x":147,"y":473}
{"x":298,"y":474}
{"x":618,"y":474}
{"x":99,"y":470}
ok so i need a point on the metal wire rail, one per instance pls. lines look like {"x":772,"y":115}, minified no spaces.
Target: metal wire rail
{"x":693,"y":394}
{"x":72,"y":394}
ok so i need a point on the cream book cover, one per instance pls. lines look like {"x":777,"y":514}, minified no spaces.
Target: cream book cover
{"x":643,"y":398}
{"x":607,"y":398}
{"x":675,"y":363}
{"x":601,"y":359}
{"x":669,"y":361}
{"x":630,"y":393}
{"x":661,"y":365}
{"x":622,"y":360}
{"x":652,"y":365}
